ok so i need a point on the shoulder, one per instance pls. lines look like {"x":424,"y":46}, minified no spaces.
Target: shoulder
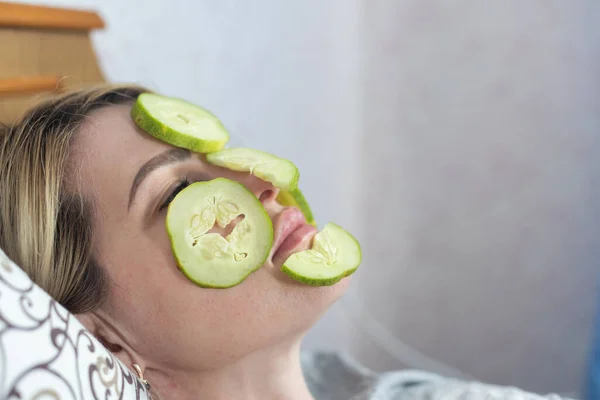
{"x":332,"y":376}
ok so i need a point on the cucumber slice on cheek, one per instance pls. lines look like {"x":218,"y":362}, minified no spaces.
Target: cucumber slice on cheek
{"x":210,"y":259}
{"x":334,"y":255}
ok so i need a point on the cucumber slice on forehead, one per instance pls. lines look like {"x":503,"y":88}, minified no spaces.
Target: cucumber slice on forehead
{"x":295,"y":198}
{"x":334,"y":255}
{"x":208,"y":258}
{"x":179,"y":123}
{"x":280,"y":172}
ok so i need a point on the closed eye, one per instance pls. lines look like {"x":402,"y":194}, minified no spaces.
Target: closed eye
{"x":182,"y":185}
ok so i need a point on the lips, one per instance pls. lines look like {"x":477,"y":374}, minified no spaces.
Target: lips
{"x":292,"y":234}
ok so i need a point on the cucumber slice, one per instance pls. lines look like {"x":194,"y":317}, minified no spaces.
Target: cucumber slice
{"x":334,"y":255}
{"x":179,"y":123}
{"x":295,"y":198}
{"x":209,"y":259}
{"x":280,"y":172}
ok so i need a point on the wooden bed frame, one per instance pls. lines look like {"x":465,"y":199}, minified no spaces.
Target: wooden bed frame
{"x":44,"y":50}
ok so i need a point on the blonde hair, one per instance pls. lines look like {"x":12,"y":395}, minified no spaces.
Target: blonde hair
{"x":45,"y":229}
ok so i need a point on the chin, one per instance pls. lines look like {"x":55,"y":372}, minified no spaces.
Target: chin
{"x":281,"y":309}
{"x":309,"y":303}
{"x":286,"y":308}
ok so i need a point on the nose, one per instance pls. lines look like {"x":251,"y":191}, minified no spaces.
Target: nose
{"x":264,"y":191}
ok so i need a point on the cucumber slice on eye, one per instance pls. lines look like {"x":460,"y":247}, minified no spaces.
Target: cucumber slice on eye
{"x":334,"y":255}
{"x":280,"y":172}
{"x":295,"y":198}
{"x":179,"y":123}
{"x":207,"y":258}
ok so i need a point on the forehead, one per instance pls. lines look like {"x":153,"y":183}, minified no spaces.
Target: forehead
{"x":108,"y":151}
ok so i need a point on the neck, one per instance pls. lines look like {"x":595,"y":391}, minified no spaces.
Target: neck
{"x":272,"y":373}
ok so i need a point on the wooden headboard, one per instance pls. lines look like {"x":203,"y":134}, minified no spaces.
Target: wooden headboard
{"x":43,"y":50}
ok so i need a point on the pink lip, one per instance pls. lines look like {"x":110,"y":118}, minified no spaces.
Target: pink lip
{"x":291,"y":230}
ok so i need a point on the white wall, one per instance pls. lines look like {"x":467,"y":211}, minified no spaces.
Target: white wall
{"x":458,"y":139}
{"x":482,"y":157}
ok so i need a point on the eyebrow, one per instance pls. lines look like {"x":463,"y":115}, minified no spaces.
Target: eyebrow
{"x":168,"y":157}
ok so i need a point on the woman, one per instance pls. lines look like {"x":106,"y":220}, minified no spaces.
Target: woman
{"x":83,"y":197}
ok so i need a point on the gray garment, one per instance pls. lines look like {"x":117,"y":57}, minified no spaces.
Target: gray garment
{"x":331,"y":376}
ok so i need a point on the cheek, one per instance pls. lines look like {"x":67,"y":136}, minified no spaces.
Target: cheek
{"x":141,"y":267}
{"x":143,"y":254}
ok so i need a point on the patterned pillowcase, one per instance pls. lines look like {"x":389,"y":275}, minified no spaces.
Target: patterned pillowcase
{"x":46,"y":353}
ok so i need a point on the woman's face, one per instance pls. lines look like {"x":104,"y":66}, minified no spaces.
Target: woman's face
{"x":128,"y":175}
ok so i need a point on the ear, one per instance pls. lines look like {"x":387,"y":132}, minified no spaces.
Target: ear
{"x":107,"y":334}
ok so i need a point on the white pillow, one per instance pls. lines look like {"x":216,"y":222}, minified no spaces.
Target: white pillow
{"x":45,"y":353}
